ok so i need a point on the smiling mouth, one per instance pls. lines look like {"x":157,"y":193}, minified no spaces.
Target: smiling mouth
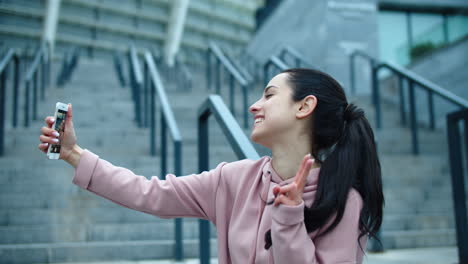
{"x":258,"y":120}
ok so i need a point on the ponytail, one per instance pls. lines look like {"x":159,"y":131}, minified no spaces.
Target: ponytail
{"x":344,"y":145}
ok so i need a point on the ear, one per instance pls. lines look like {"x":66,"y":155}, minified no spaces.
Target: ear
{"x":306,"y":106}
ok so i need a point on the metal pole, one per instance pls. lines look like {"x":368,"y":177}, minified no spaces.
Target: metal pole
{"x":35,"y":84}
{"x":179,"y":247}
{"x":163,"y":146}
{"x":231,"y":94}
{"x":2,"y":110}
{"x":203,"y":163}
{"x":218,"y":76}
{"x":431,"y":110}
{"x":152,"y":121}
{"x":402,"y":100}
{"x":16,"y":91}
{"x":26,"y":103}
{"x":43,"y":76}
{"x":376,"y":95}
{"x":351,"y":74}
{"x":145,"y":94}
{"x":208,"y":69}
{"x":246,"y":107}
{"x":458,"y":188}
{"x":413,"y":120}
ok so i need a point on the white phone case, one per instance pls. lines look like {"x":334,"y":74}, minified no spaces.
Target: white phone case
{"x":60,"y":117}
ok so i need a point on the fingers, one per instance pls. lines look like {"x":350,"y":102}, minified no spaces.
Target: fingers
{"x":49,"y":121}
{"x":50,"y":140}
{"x":284,"y":189}
{"x":303,"y":172}
{"x":47,"y":131}
{"x":43,"y":147}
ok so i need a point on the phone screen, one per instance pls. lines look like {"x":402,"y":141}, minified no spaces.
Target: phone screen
{"x":59,"y":126}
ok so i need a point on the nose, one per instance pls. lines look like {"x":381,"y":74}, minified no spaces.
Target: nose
{"x":254,"y":108}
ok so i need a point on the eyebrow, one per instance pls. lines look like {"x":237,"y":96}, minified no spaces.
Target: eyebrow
{"x":268,"y":87}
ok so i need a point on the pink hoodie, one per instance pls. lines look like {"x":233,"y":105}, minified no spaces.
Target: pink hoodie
{"x":233,"y":197}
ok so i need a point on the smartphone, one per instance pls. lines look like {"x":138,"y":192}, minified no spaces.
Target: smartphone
{"x":60,"y":116}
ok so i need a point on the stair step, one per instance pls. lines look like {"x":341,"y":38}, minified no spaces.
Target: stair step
{"x":97,"y":251}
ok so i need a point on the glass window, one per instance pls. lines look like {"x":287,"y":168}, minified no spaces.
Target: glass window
{"x":392,"y":34}
{"x":457,"y":27}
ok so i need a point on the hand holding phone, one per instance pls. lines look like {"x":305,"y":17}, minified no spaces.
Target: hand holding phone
{"x":58,"y":137}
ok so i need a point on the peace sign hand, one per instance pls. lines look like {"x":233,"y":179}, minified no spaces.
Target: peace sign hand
{"x":291,"y":194}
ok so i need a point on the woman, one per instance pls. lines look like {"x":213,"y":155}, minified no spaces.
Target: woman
{"x":316,"y":200}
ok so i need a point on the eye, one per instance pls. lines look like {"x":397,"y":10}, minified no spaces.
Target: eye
{"x":268,"y":95}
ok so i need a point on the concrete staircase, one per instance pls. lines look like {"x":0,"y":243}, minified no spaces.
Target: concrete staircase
{"x":419,"y":207}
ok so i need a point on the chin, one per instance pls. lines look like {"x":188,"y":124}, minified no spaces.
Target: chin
{"x":259,"y":139}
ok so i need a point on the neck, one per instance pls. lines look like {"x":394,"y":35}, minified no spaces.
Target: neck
{"x":286,"y":158}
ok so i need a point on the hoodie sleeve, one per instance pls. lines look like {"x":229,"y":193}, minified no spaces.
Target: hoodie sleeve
{"x":292,"y":244}
{"x":188,"y":196}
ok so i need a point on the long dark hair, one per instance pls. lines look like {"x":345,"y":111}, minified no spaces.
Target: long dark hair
{"x":341,"y":132}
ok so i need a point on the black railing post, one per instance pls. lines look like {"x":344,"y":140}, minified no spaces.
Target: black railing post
{"x":413,"y":118}
{"x":16,"y":91}
{"x":208,"y":69}
{"x":152,"y":121}
{"x":179,"y":249}
{"x":231,"y":94}
{"x":430,"y":97}
{"x":218,"y":76}
{"x":203,"y":164}
{"x":402,"y":100}
{"x":43,"y":71}
{"x":376,"y":94}
{"x":36,"y":84}
{"x":458,"y":185}
{"x":246,"y":106}
{"x":26,"y":102}
{"x":163,"y":146}
{"x":131,"y":78}
{"x":2,"y":109}
{"x":351,"y":74}
{"x":146,"y":92}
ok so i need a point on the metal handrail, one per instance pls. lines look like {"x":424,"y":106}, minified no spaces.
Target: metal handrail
{"x":70,"y":61}
{"x":234,"y":77}
{"x":118,"y":66}
{"x":458,"y":184}
{"x":40,"y":64}
{"x":11,"y":56}
{"x":413,"y":79}
{"x":136,"y":82}
{"x":272,"y":61}
{"x":154,"y":89}
{"x":296,"y":55}
{"x":241,"y":145}
{"x":242,"y":70}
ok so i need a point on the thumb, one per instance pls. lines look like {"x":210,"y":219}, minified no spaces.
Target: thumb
{"x":69,"y":121}
{"x":69,"y":113}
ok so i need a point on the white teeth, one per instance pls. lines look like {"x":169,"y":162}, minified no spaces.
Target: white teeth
{"x":258,"y":120}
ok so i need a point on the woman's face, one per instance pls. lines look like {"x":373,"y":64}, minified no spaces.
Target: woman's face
{"x":274,"y":113}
